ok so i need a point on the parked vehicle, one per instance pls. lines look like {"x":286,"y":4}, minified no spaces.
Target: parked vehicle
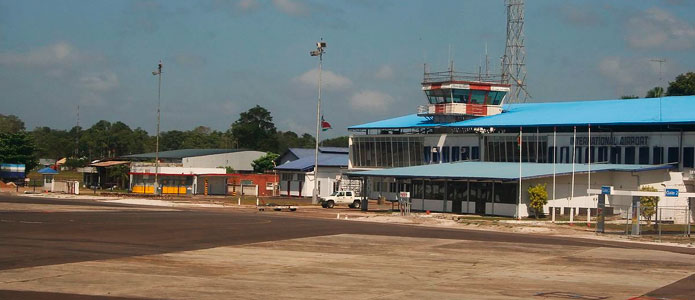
{"x":348,"y":198}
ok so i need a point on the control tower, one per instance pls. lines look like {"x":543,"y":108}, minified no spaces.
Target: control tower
{"x":456,"y":96}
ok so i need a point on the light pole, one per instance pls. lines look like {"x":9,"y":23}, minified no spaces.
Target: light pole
{"x":156,"y":152}
{"x":318,"y":52}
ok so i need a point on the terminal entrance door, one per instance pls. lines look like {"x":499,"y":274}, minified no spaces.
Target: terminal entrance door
{"x":480,"y":192}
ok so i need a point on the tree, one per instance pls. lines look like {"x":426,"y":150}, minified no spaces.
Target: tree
{"x":53,"y":143}
{"x":255,"y":130}
{"x":627,"y":97}
{"x":264,"y":163}
{"x":18,"y":148}
{"x":341,"y":141}
{"x":538,"y":197}
{"x":683,"y":85}
{"x":656,"y":92}
{"x":648,"y":204}
{"x":11,"y":124}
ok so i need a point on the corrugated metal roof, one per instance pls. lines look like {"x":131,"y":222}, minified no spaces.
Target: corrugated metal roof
{"x":47,"y":170}
{"x":498,"y":170}
{"x":307,"y":163}
{"x":181,"y":153}
{"x":344,"y":150}
{"x":109,"y":163}
{"x":302,"y":152}
{"x":668,"y":110}
{"x":408,"y":121}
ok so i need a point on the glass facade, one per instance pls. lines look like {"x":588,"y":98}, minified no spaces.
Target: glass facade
{"x":387,"y":152}
{"x":506,"y":149}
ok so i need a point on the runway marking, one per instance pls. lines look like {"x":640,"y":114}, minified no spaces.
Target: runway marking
{"x":20,"y":221}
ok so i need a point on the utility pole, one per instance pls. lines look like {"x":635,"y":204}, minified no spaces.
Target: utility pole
{"x":156,"y":153}
{"x":318,"y":52}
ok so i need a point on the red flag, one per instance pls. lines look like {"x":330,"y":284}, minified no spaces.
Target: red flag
{"x":325,"y":125}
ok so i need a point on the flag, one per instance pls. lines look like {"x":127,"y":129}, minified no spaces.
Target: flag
{"x":325,"y":125}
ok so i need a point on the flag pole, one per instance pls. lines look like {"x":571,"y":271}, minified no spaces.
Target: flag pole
{"x":574,"y":156}
{"x":521,"y":140}
{"x":554,"y":171}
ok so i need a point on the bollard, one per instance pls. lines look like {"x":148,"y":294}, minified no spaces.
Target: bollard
{"x":338,"y":216}
{"x":239,"y":201}
{"x":256,"y":201}
{"x":346,"y":217}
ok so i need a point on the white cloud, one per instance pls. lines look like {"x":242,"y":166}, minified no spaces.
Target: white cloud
{"x":329,"y":80}
{"x":633,"y":75}
{"x":99,"y":82}
{"x":384,"y":73}
{"x":367,"y":100}
{"x":291,"y":7}
{"x":657,"y":28}
{"x":57,"y":53}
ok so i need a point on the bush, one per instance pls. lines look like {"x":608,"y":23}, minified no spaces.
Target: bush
{"x":538,"y":197}
{"x":648,"y":204}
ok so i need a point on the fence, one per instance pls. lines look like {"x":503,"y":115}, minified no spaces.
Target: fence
{"x":650,"y":221}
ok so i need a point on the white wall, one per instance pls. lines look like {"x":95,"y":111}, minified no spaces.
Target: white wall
{"x":239,"y":161}
{"x":327,"y":178}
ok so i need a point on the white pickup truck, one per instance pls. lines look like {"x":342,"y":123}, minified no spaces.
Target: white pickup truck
{"x":348,"y":198}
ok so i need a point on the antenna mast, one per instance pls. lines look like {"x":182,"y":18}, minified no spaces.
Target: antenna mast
{"x":514,"y":59}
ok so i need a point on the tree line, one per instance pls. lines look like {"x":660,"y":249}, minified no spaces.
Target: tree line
{"x":253,"y":130}
{"x":683,"y":85}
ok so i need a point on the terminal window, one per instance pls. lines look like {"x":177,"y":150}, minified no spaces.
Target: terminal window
{"x":658,"y":155}
{"x":630,"y":155}
{"x":673,"y":155}
{"x":688,"y":157}
{"x":644,"y":155}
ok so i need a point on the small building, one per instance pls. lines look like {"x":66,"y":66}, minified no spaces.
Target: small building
{"x":297,"y":176}
{"x":263,"y":185}
{"x":177,"y":180}
{"x":48,"y":179}
{"x":237,"y":159}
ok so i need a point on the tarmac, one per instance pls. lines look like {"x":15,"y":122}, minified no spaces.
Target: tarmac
{"x":75,"y":248}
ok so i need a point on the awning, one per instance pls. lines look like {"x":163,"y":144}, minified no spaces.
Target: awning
{"x":109,"y":163}
{"x":503,"y":171}
{"x":47,"y":170}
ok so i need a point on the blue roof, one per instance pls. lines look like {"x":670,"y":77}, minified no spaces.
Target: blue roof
{"x":498,"y":170}
{"x":302,"y":152}
{"x":47,"y":170}
{"x":409,"y":121}
{"x":649,"y":111}
{"x":344,"y":150}
{"x":306,"y":152}
{"x":306,"y":163}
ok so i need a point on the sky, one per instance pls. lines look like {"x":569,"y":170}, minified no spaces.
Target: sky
{"x":222,"y":57}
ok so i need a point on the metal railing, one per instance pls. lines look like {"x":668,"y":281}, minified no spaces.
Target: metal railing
{"x":460,"y":76}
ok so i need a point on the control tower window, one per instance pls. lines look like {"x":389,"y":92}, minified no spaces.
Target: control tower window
{"x":461,"y":96}
{"x":495,"y":97}
{"x":478,"y":97}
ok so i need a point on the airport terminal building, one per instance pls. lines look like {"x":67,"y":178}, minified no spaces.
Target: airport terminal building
{"x":466,"y":156}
